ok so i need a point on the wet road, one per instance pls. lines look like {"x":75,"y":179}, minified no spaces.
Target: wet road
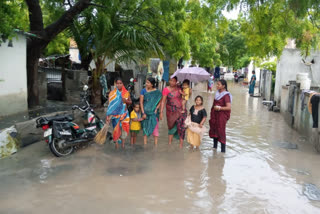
{"x":255,"y":176}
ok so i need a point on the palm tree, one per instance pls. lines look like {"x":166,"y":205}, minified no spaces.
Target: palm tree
{"x":119,"y":34}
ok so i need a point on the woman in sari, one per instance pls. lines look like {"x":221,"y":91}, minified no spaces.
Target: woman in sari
{"x":210,"y":83}
{"x":252,"y":83}
{"x":118,"y":114}
{"x":220,"y":114}
{"x":171,"y":98}
{"x":150,"y":103}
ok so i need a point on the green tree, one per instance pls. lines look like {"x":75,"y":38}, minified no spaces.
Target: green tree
{"x":13,"y":16}
{"x":233,"y":48}
{"x":59,"y":45}
{"x":170,"y":21}
{"x":202,"y":23}
{"x":162,"y":20}
{"x":45,"y":32}
{"x":268,"y":24}
{"x":120,"y":33}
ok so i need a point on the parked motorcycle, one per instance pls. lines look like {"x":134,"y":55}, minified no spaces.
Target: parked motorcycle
{"x":63,"y":135}
{"x":236,"y":77}
{"x":130,"y":88}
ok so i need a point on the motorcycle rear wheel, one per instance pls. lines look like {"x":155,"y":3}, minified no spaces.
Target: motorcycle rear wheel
{"x":57,"y":148}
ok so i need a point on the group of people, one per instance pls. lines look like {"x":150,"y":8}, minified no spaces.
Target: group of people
{"x":149,"y":111}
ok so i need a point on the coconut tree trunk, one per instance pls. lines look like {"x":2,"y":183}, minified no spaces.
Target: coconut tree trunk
{"x":85,"y":62}
{"x":96,"y":86}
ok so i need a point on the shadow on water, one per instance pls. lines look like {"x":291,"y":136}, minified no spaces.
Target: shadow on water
{"x":126,"y":170}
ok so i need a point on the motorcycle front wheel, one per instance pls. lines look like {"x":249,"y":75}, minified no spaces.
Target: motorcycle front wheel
{"x":58,"y":149}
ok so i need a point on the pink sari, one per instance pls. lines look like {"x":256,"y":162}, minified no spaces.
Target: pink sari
{"x":175,"y":119}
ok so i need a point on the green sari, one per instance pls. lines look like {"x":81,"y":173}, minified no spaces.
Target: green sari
{"x":150,"y":101}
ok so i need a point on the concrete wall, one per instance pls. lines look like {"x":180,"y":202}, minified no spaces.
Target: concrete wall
{"x":125,"y":66}
{"x":131,"y":66}
{"x":290,"y":64}
{"x":42,"y":84}
{"x":314,"y":68}
{"x":300,"y":119}
{"x":74,"y":85}
{"x":265,"y":84}
{"x":110,"y":65}
{"x":285,"y":97}
{"x":13,"y":76}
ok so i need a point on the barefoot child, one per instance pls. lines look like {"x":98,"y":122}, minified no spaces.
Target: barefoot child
{"x":135,"y":126}
{"x":186,"y":91}
{"x":196,"y":129}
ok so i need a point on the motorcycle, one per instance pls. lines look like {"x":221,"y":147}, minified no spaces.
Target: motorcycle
{"x":130,"y":88}
{"x":236,"y":77}
{"x":64,"y":136}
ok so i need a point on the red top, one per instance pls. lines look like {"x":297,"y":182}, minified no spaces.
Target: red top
{"x":219,"y":119}
{"x":165,"y":92}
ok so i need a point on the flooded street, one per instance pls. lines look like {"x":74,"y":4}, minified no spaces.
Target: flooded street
{"x":256,"y":175}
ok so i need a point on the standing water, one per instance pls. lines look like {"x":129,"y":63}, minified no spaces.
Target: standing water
{"x":258,"y":173}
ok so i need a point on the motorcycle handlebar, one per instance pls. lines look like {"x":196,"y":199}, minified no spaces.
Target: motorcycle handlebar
{"x":84,"y":108}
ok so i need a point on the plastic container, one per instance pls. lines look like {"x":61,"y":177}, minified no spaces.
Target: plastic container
{"x":301,"y":77}
{"x":305,"y":84}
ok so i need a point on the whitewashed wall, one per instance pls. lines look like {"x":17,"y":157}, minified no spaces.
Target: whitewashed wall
{"x":290,"y":64}
{"x":252,"y":68}
{"x":74,"y":55}
{"x":110,"y":65}
{"x":131,"y":66}
{"x":13,"y":76}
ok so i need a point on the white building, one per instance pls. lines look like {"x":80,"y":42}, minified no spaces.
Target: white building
{"x":251,"y":68}
{"x":290,"y":64}
{"x":74,"y":52}
{"x":13,"y":75}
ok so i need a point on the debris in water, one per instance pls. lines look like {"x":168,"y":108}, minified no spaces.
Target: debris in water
{"x":286,"y":145}
{"x":302,"y":172}
{"x":312,"y":192}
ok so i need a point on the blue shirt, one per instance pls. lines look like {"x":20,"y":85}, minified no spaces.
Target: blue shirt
{"x":143,"y":92}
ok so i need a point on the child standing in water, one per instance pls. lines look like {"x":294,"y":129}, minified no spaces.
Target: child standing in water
{"x":185,"y":92}
{"x":196,"y":129}
{"x":135,"y":126}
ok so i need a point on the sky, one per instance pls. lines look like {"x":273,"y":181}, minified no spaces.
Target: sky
{"x":233,"y":14}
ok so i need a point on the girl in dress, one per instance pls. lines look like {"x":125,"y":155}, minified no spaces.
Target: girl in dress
{"x":197,"y":118}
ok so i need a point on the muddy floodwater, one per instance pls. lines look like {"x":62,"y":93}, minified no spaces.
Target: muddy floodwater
{"x":258,"y":173}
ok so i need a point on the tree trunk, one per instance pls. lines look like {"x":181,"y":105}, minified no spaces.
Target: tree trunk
{"x":96,"y":95}
{"x":33,"y":55}
{"x":96,"y":87}
{"x":63,"y":79}
{"x":36,"y":45}
{"x":85,"y":62}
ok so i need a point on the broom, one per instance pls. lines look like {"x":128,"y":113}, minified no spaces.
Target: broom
{"x":101,"y":137}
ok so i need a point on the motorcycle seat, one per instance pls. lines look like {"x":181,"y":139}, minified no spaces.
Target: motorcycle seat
{"x":59,"y":118}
